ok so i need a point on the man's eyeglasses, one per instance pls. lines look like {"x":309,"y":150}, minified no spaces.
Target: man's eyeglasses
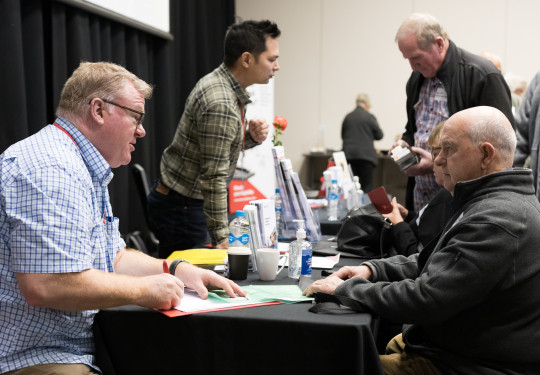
{"x":139,"y":120}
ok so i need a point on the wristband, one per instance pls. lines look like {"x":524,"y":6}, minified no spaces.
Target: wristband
{"x":174,"y":264}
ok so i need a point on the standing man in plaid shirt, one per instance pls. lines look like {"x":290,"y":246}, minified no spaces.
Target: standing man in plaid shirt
{"x":445,"y":79}
{"x":189,"y":202}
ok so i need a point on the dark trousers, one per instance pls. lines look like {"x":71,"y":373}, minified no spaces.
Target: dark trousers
{"x":364,"y":170}
{"x":177,"y":221}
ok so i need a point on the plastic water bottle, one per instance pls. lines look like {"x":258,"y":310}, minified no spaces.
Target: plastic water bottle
{"x":239,"y":231}
{"x":359,"y":191}
{"x":300,"y":254}
{"x":333,"y":197}
{"x":356,"y":194}
{"x":277,"y":204}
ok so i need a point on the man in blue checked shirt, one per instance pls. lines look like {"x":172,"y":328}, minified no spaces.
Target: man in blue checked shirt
{"x":61,"y":255}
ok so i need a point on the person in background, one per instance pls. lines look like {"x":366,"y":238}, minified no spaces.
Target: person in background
{"x":518,"y":86}
{"x":189,"y":202}
{"x":468,"y":306}
{"x":412,"y":231}
{"x":528,"y":133}
{"x":445,"y":80}
{"x":61,"y":255}
{"x":496,"y":60}
{"x":358,"y":131}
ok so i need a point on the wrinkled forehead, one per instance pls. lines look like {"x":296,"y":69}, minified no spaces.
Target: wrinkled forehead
{"x":455,"y":130}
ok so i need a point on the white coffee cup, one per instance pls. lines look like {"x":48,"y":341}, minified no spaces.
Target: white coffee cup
{"x":268,"y":262}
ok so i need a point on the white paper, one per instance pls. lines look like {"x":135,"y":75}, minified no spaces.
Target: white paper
{"x":325,"y":263}
{"x":283,"y":247}
{"x":192,"y":302}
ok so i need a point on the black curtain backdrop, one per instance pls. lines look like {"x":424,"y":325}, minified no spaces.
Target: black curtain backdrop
{"x":43,"y":41}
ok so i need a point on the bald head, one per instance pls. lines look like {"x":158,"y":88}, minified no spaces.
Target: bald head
{"x":476,"y":142}
{"x":496,"y":60}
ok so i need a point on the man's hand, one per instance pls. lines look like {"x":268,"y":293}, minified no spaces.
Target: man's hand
{"x":223,"y":244}
{"x":200,"y":280}
{"x":258,"y":129}
{"x":330,"y":284}
{"x":424,"y":166}
{"x":327,"y":286}
{"x":348,"y":272}
{"x":398,"y":214}
{"x":163,"y":291}
{"x":399,"y":142}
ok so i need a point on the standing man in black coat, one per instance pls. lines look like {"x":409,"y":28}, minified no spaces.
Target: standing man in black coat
{"x":360,"y":128}
{"x":445,"y":79}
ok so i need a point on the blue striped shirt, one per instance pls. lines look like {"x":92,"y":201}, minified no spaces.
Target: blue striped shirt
{"x":55,"y":217}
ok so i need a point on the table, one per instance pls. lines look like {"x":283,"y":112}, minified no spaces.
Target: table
{"x":274,"y":339}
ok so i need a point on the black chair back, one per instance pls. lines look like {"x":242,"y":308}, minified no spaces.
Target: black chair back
{"x":143,"y":189}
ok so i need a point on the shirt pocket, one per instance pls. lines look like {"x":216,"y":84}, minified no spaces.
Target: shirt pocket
{"x":105,"y":241}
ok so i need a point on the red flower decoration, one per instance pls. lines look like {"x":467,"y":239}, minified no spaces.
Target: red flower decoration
{"x":280,"y":124}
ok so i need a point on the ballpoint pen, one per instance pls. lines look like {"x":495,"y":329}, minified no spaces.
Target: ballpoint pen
{"x":165,"y":267}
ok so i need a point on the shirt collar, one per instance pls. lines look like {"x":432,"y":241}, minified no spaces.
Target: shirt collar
{"x":449,"y":65}
{"x":97,"y":165}
{"x":240,"y":92}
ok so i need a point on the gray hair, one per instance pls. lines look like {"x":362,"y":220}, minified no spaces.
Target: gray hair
{"x":493,"y":127}
{"x":363,"y":99}
{"x":424,"y":26}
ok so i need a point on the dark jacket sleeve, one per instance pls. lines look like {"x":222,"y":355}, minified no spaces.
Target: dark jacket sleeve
{"x":489,"y":92}
{"x":412,"y":89}
{"x":438,"y":293}
{"x":524,"y":129}
{"x":404,"y":239}
{"x":376,"y":129}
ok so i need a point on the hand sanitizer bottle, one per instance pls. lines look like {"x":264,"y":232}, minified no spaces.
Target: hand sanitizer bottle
{"x":300,"y":254}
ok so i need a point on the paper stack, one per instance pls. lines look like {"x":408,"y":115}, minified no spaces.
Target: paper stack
{"x":254,"y":233}
{"x":294,"y":202}
{"x":267,"y":222}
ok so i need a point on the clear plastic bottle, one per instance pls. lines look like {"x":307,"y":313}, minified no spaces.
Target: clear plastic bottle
{"x":277,"y":204}
{"x":300,"y":254}
{"x":333,"y":197}
{"x":353,"y":197}
{"x":239,"y":230}
{"x":359,"y":191}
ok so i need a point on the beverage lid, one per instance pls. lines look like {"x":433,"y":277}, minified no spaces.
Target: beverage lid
{"x":239,"y":251}
{"x":240,"y":213}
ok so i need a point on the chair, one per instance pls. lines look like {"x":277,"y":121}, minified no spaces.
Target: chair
{"x":143,"y":188}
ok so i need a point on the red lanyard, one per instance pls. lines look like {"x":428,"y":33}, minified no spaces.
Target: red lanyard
{"x":65,"y":131}
{"x":70,"y":137}
{"x":244,"y":125}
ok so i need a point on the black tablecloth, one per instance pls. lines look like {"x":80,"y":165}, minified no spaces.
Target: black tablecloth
{"x":286,"y":339}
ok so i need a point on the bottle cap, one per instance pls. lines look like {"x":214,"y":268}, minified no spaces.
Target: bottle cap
{"x":277,"y":190}
{"x":301,"y":232}
{"x":240,"y":213}
{"x":334,"y":181}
